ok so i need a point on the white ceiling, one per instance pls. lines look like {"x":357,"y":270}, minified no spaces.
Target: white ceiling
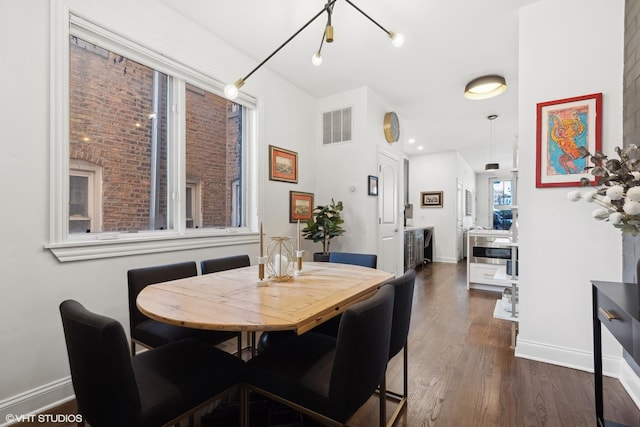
{"x":448,"y":43}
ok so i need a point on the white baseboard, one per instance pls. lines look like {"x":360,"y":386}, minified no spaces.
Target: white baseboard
{"x":450,"y":260}
{"x":630,"y":381}
{"x":36,"y":400}
{"x":615,"y":367}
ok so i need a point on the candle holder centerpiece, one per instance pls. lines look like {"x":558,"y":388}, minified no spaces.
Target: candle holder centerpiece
{"x":280,"y":259}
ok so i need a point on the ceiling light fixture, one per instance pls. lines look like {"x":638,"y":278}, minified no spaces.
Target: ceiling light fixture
{"x":231,"y":91}
{"x":491,"y":166}
{"x":485,"y":87}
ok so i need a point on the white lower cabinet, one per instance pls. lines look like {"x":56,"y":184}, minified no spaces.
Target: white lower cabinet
{"x":487,"y":274}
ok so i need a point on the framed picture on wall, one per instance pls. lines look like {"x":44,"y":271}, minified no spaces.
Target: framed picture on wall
{"x":300,"y":206}
{"x":372,"y":185}
{"x":283,"y":165}
{"x":431,"y":199}
{"x":563,"y":128}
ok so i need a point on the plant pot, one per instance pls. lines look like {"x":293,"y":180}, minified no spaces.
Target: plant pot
{"x":320,"y":257}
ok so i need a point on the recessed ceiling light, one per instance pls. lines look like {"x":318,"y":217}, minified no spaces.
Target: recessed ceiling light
{"x":420,"y":147}
{"x":411,"y":140}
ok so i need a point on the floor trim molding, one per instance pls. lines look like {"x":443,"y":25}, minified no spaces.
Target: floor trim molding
{"x":612,"y":366}
{"x":36,"y":400}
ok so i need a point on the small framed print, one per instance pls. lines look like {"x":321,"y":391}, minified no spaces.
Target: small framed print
{"x":300,"y":206}
{"x":372,"y":185}
{"x":431,"y":199}
{"x":283,"y":165}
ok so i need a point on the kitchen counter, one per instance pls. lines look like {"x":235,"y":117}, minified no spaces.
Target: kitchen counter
{"x":479,"y":231}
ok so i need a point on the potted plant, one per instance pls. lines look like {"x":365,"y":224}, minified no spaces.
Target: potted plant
{"x":324,"y":225}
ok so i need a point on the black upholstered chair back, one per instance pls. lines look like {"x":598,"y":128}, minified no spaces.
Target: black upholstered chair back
{"x":362,"y":352}
{"x":101,"y":370}
{"x":402,"y":305}
{"x":365,"y":260}
{"x":225,"y":263}
{"x":139,"y":278}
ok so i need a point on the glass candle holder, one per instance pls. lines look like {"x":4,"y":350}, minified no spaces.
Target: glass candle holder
{"x":280,"y":259}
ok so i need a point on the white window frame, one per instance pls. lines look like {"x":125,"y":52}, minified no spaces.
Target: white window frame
{"x":196,"y":203}
{"x":72,"y":247}
{"x":94,"y":174}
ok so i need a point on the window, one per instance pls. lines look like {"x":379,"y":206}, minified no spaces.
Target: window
{"x":167,"y":153}
{"x":214,"y":154}
{"x":501,"y":193}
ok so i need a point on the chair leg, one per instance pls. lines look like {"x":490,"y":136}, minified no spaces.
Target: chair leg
{"x":240,"y":344}
{"x":253,"y":344}
{"x":244,"y":406}
{"x":406,"y":371}
{"x":383,"y":401}
{"x":401,"y":398}
{"x":133,"y":348}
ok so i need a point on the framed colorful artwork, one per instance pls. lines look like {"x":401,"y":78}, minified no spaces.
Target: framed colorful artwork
{"x":372,"y":185}
{"x":431,"y":199}
{"x":283,"y":165}
{"x":300,"y":206}
{"x":562,"y":127}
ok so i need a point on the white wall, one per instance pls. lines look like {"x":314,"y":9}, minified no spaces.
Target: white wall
{"x":567,"y":48}
{"x":438,"y":172}
{"x":33,"y":361}
{"x":349,"y":164}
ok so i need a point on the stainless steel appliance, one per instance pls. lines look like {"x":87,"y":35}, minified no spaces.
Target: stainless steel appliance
{"x":489,"y":249}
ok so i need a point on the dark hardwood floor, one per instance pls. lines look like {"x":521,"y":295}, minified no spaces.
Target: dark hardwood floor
{"x":463,"y":373}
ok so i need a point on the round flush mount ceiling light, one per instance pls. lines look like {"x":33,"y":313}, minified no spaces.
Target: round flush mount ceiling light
{"x":485,"y":87}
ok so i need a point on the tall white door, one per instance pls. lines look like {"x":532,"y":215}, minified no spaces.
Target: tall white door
{"x":390,"y":238}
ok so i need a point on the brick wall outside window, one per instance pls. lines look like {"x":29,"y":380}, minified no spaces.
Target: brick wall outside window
{"x":110,"y":102}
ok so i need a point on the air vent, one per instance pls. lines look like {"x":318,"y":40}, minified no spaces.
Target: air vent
{"x":336,"y":126}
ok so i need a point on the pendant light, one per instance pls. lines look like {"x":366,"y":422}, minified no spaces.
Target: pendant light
{"x":491,"y":166}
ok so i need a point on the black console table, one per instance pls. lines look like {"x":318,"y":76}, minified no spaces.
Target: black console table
{"x":616,"y":306}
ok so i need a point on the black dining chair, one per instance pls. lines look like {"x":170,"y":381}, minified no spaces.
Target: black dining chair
{"x":325,"y":377}
{"x":365,"y":260}
{"x":153,"y":388}
{"x":215,"y":265}
{"x":225,"y":263}
{"x":402,"y":305}
{"x":330,"y":327}
{"x":151,"y":333}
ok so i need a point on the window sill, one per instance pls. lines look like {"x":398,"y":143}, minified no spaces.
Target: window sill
{"x":127,"y":246}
